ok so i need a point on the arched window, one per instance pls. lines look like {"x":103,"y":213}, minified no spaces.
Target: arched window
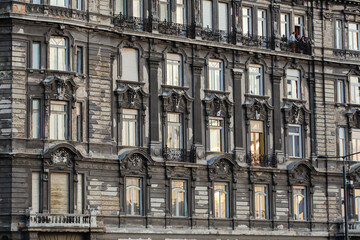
{"x":179,"y":198}
{"x":59,"y":53}
{"x":261,"y":202}
{"x":221,"y":200}
{"x":134,"y":196}
{"x":299,"y":203}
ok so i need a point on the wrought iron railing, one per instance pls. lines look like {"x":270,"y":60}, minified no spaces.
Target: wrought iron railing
{"x":261,"y":160}
{"x":129,"y":22}
{"x":56,"y":11}
{"x":166,"y":27}
{"x":175,"y":154}
{"x":295,"y":47}
{"x":256,"y":41}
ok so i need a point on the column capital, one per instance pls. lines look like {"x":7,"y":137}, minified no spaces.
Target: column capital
{"x":237,"y":73}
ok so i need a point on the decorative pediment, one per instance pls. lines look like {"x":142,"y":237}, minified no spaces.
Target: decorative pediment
{"x":219,"y":106}
{"x":221,"y":168}
{"x":260,"y":177}
{"x":354,"y":174}
{"x":300,"y":173}
{"x":130,"y":96}
{"x":176,"y":101}
{"x":292,"y":2}
{"x":353,"y":118}
{"x":134,"y":163}
{"x":59,"y":155}
{"x":296,"y":114}
{"x":178,"y":172}
{"x":258,"y":110}
{"x":60,"y":89}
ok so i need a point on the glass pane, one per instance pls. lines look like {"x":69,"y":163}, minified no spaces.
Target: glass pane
{"x":207,"y":14}
{"x":36,"y":55}
{"x":36,"y":118}
{"x":223,"y":17}
{"x":130,"y":64}
{"x":59,"y":193}
{"x":133,"y":196}
{"x":215,"y":140}
{"x":80,"y":193}
{"x":137,"y":8}
{"x":35,"y":191}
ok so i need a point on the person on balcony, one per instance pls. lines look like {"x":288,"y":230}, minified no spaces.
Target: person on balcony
{"x":292,"y":40}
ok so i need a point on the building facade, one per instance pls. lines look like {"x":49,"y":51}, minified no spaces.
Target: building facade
{"x":179,"y":119}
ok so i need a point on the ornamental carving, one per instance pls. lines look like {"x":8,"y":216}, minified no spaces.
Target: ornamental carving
{"x":176,"y":101}
{"x":129,"y":96}
{"x":59,"y":88}
{"x":258,"y":110}
{"x":60,"y":157}
{"x":134,"y":164}
{"x":260,"y":177}
{"x":178,"y":172}
{"x":219,"y":106}
{"x":296,"y":114}
{"x":221,"y":170}
{"x":353,"y":118}
{"x":355,"y":175}
{"x":301,"y":175}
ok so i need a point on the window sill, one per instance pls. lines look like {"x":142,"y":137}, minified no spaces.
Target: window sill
{"x":294,"y":100}
{"x":249,"y":95}
{"x":209,"y":91}
{"x":166,"y":86}
{"x":341,"y":104}
{"x":119,"y":81}
{"x":356,"y":105}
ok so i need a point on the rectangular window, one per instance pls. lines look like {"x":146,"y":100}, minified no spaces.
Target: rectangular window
{"x":120,"y":7}
{"x":35,"y":192}
{"x":59,"y":3}
{"x":340,"y":91}
{"x":79,"y":4}
{"x":164,"y":10}
{"x":216,"y":75}
{"x":299,"y":203}
{"x":58,"y":120}
{"x":284,"y":31}
{"x":174,"y":134}
{"x":137,"y":8}
{"x":338,"y":34}
{"x":79,"y":60}
{"x":180,"y":12}
{"x":59,"y":193}
{"x":216,"y":134}
{"x":207,"y":14}
{"x":129,"y":64}
{"x":247,"y":21}
{"x":174,"y":69}
{"x":354,"y":30}
{"x":79,"y":120}
{"x":130,"y":125}
{"x":223,"y":17}
{"x":299,"y":25}
{"x":221,"y":200}
{"x":134,"y":196}
{"x":342,"y":142}
{"x":59,"y":53}
{"x":261,"y":202}
{"x":256,"y":80}
{"x":355,"y":89}
{"x":257,"y":140}
{"x":293,"y":84}
{"x":80,"y":197}
{"x":295,"y":146}
{"x":357,"y":204}
{"x":179,"y":198}
{"x":36,"y":2}
{"x":35,"y":118}
{"x":261,"y":23}
{"x":356,"y":144}
{"x":36,"y":55}
{"x":342,"y":204}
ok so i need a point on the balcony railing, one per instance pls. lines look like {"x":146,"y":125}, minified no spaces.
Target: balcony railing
{"x":261,"y":160}
{"x":173,"y":28}
{"x":256,"y":41}
{"x":61,"y":220}
{"x":128,"y":22}
{"x":354,"y":227}
{"x":175,"y":154}
{"x":55,"y":11}
{"x":295,"y":46}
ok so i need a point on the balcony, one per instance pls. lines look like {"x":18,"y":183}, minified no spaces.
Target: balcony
{"x":175,"y":154}
{"x":173,"y":29}
{"x":127,"y":22}
{"x":256,"y":41}
{"x":55,"y":11}
{"x":354,"y":227}
{"x":62,"y":220}
{"x":295,"y":47}
{"x":261,"y":160}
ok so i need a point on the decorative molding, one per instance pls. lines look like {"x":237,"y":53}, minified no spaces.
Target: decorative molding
{"x":217,"y":105}
{"x":131,"y":96}
{"x":296,"y":114}
{"x":176,"y":101}
{"x":258,"y":110}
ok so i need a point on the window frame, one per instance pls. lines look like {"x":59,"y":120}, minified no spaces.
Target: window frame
{"x":80,"y":66}
{"x":39,"y":118}
{"x":352,"y":34}
{"x":212,"y":81}
{"x":305,"y":202}
{"x":170,"y":57}
{"x":355,"y":157}
{"x":340,"y":91}
{"x":298,"y":84}
{"x":338,"y":41}
{"x":186,"y":198}
{"x":227,"y":199}
{"x":67,"y":54}
{"x":222,"y":133}
{"x":300,"y":25}
{"x":261,"y":19}
{"x":342,"y":143}
{"x":121,"y":65}
{"x":141,"y":195}
{"x":252,"y":77}
{"x":354,"y":90}
{"x":38,"y":67}
{"x":211,"y":20}
{"x":357,"y":204}
{"x":262,"y":136}
{"x":227,"y":23}
{"x":167,"y":3}
{"x":267,"y":201}
{"x":66,"y":3}
{"x":248,"y":18}
{"x":286,"y":24}
{"x":174,"y":124}
{"x":67,"y":120}
{"x":293,"y":135}
{"x":127,"y":111}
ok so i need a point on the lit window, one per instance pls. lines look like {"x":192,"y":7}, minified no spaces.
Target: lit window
{"x":223,"y":17}
{"x":221,"y":200}
{"x":207,"y":14}
{"x":338,"y":34}
{"x":247,"y":21}
{"x":299,"y":25}
{"x":174,"y":69}
{"x":261,"y":23}
{"x":35,"y":118}
{"x":180,"y":12}
{"x":261,"y":202}
{"x":59,"y":193}
{"x":130,"y":64}
{"x":257,"y":141}
{"x":79,"y":60}
{"x":174,"y":134}
{"x":164,"y":10}
{"x":216,"y":75}
{"x":357,"y":204}
{"x":256,"y":80}
{"x":137,"y":8}
{"x":79,"y":120}
{"x":293,"y":84}
{"x":356,"y":144}
{"x":134,"y":196}
{"x":58,"y":120}
{"x":178,"y":198}
{"x":216,"y":134}
{"x":59,"y":53}
{"x":130,"y":128}
{"x":120,"y":6}
{"x":342,"y":142}
{"x":35,"y":192}
{"x":299,"y":203}
{"x":340,"y":91}
{"x":36,"y":55}
{"x":355,"y":89}
{"x":59,"y":3}
{"x":354,"y":30}
{"x":295,"y":146}
{"x":285,"y":32}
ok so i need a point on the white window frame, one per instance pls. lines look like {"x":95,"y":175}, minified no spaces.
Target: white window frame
{"x":216,"y":81}
{"x":258,"y":198}
{"x":61,"y":66}
{"x":59,"y":3}
{"x":55,"y":116}
{"x":223,"y":17}
{"x":296,"y":203}
{"x":120,"y":7}
{"x":180,"y":13}
{"x":354,"y":36}
{"x":35,"y":191}
{"x":35,"y":118}
{"x":247,"y":21}
{"x":294,"y":83}
{"x":355,"y":144}
{"x":299,"y":22}
{"x":342,"y":141}
{"x":207,"y":22}
{"x":134,"y":188}
{"x":262,"y":28}
{"x":220,"y":192}
{"x":130,"y":64}
{"x":164,"y":10}
{"x":340,"y":98}
{"x":293,"y":135}
{"x":285,"y":25}
{"x":175,"y":191}
{"x":174,"y":69}
{"x":138,"y":13}
{"x":172,"y":126}
{"x":127,"y":122}
{"x":36,"y":55}
{"x":256,"y":80}
{"x":338,"y":34}
{"x":355,"y":89}
{"x":217,"y":127}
